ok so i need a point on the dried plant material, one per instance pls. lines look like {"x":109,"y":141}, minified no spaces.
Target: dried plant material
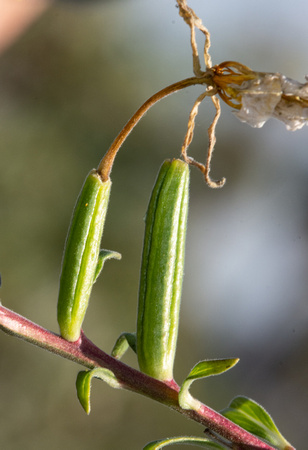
{"x":212,"y":141}
{"x":193,"y":22}
{"x":191,"y":125}
{"x":292,"y":108}
{"x":256,"y":96}
{"x":258,"y":99}
{"x":205,"y":169}
{"x":259,"y":96}
{"x":106,"y":164}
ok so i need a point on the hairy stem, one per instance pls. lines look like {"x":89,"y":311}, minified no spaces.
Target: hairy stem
{"x":84,"y":352}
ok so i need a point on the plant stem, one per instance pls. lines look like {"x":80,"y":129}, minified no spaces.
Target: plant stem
{"x":106,"y":163}
{"x":84,"y":352}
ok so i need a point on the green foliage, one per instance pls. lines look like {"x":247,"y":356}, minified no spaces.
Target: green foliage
{"x":163,"y":260}
{"x":188,"y":440}
{"x":252,"y":417}
{"x":124,"y":341}
{"x":84,"y":380}
{"x":103,"y":256}
{"x":201,"y":370}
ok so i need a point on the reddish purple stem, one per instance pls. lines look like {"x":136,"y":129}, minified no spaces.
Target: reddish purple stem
{"x":84,"y":352}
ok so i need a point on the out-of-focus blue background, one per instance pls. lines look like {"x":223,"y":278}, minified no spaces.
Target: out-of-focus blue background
{"x":67,"y":86}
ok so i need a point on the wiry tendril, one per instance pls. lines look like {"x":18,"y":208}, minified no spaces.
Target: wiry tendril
{"x":195,"y":22}
{"x":205,"y":169}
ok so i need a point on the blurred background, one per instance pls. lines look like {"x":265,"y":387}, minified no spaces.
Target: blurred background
{"x":71,"y":74}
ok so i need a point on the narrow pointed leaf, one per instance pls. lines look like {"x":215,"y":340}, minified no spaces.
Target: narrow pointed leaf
{"x":83,"y":384}
{"x":103,"y":256}
{"x":201,"y":370}
{"x":186,"y":440}
{"x":208,"y":368}
{"x":124,"y":341}
{"x":254,"y":418}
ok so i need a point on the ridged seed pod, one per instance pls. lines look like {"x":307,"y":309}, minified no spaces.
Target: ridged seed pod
{"x":162,"y":271}
{"x":82,"y":260}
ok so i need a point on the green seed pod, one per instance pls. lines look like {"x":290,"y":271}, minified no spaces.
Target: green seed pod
{"x":83,"y":260}
{"x":162,"y":271}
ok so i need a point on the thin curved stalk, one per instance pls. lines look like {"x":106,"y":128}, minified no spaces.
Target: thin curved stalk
{"x":106,"y":163}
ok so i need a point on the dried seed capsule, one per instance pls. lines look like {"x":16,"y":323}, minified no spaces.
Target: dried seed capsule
{"x":83,"y":260}
{"x":162,"y":271}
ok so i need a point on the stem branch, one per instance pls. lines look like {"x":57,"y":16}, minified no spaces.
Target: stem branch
{"x":106,"y":163}
{"x":87,"y":354}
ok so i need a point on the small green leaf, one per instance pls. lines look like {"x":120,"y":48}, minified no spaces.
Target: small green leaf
{"x":208,"y":368}
{"x":188,"y":440}
{"x":201,"y":370}
{"x":124,"y":341}
{"x":83,"y":384}
{"x":102,"y":257}
{"x":254,"y":418}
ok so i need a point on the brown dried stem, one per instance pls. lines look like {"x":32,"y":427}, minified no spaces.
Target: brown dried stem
{"x":205,"y":169}
{"x":106,"y":163}
{"x":193,"y":21}
{"x":189,"y":16}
